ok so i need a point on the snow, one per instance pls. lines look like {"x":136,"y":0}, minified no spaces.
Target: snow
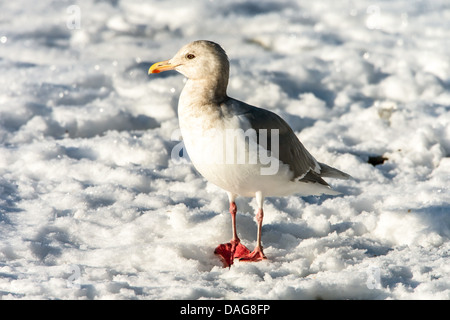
{"x":95,"y":203}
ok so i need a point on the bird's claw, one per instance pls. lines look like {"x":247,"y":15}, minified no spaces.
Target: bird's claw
{"x":256,"y":255}
{"x":231,"y":250}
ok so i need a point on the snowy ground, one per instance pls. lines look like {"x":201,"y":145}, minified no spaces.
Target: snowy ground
{"x":94,"y":204}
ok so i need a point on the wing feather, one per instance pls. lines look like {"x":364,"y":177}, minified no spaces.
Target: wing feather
{"x":291,"y":150}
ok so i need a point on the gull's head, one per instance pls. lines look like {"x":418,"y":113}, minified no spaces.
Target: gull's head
{"x":197,"y":60}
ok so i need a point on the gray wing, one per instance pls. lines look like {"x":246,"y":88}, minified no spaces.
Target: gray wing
{"x":292,"y":152}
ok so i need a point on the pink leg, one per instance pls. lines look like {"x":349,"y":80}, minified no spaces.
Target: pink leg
{"x":237,"y":248}
{"x":234,"y":249}
{"x":258,"y":253}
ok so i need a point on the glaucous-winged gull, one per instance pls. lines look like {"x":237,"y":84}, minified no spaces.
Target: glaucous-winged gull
{"x":245,"y":150}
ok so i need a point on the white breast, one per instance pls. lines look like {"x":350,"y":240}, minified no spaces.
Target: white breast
{"x":226,"y":154}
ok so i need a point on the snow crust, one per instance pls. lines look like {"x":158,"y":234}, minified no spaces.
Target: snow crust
{"x":95,"y":203}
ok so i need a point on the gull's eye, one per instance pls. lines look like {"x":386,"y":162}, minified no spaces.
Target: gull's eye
{"x":190,"y":56}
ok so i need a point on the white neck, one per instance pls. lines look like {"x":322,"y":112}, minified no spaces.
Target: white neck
{"x":203,"y":92}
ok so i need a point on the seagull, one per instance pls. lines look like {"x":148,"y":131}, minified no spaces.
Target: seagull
{"x":245,"y":150}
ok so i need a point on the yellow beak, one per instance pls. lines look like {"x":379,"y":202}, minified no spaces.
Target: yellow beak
{"x":160,"y":67}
